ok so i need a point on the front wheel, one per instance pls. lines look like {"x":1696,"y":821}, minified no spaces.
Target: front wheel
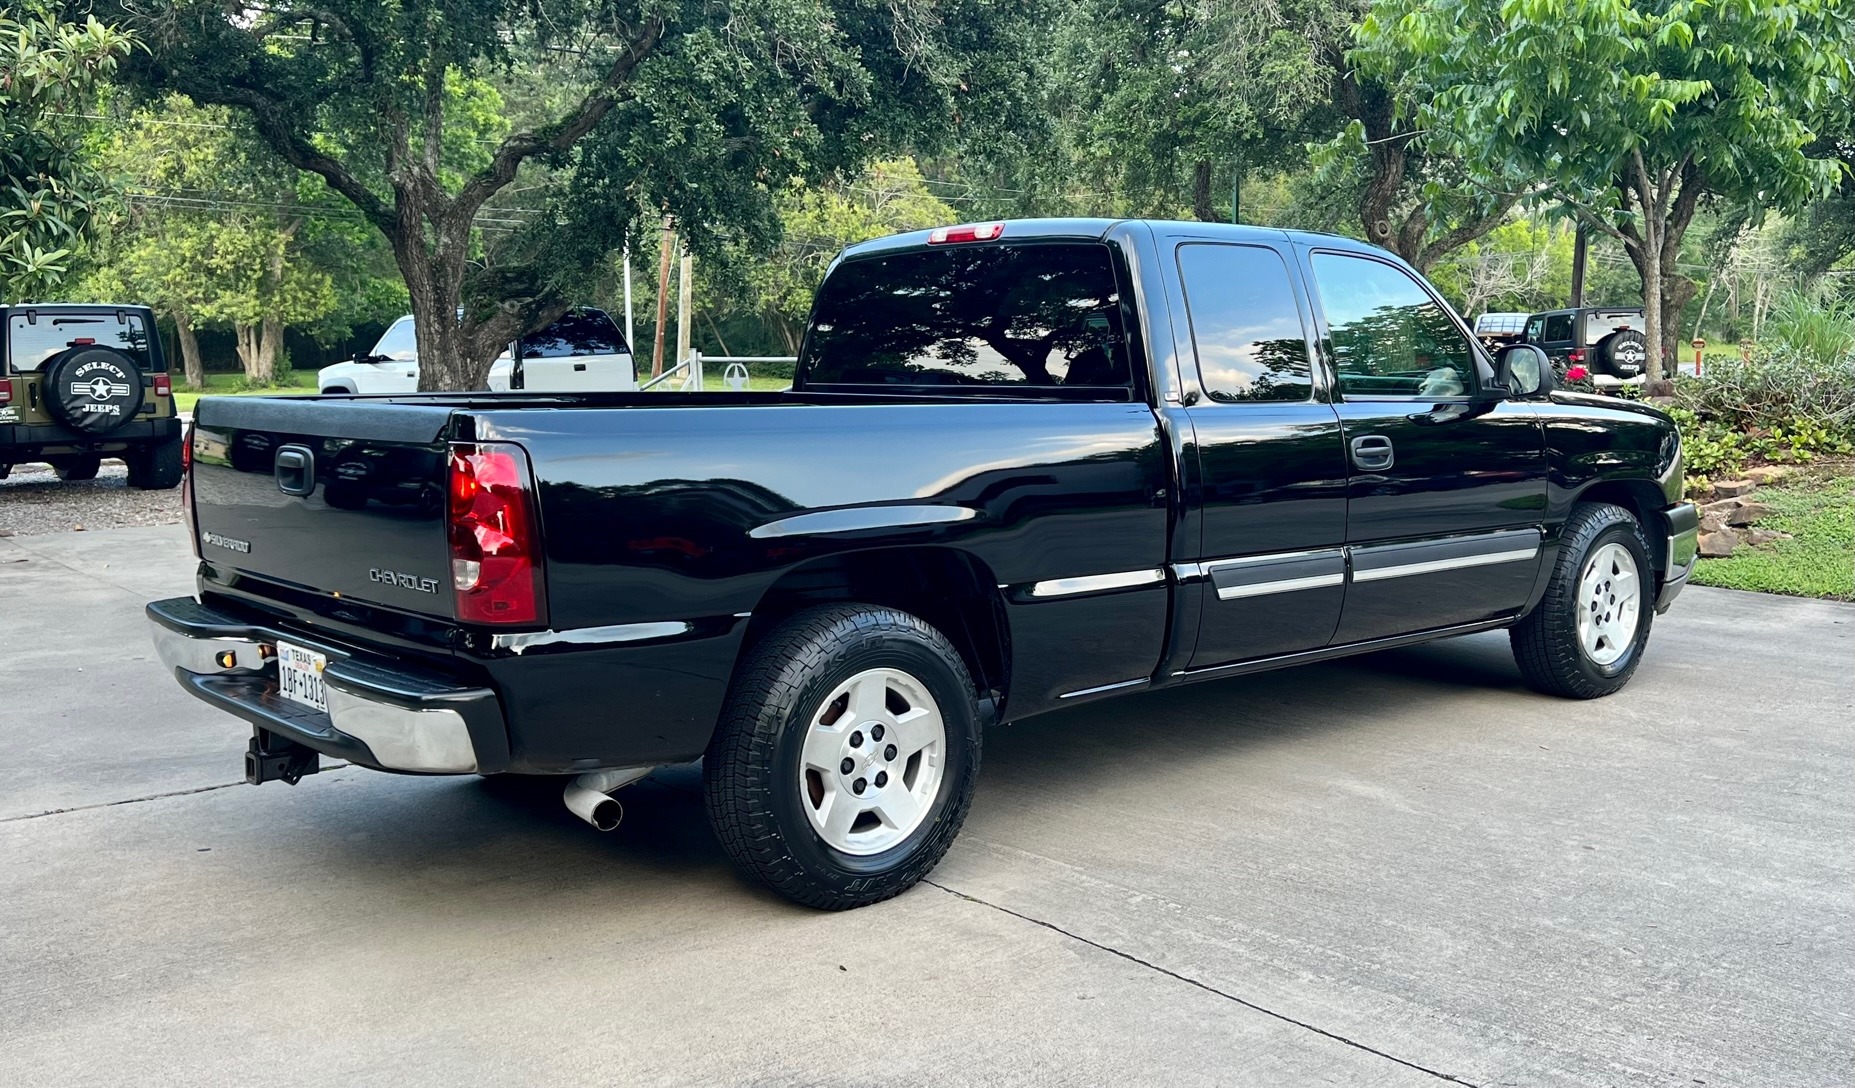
{"x":1587,"y":635}
{"x":846,"y":756}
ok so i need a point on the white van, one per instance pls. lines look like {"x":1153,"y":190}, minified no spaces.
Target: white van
{"x":583,"y":351}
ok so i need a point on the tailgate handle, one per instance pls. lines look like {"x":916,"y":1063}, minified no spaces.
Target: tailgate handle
{"x":296,"y":470}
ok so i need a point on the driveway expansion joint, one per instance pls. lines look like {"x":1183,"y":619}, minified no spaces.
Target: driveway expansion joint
{"x":136,"y":800}
{"x":1207,"y":987}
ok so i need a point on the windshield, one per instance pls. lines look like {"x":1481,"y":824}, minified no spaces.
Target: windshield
{"x":30,"y":342}
{"x":1025,"y":315}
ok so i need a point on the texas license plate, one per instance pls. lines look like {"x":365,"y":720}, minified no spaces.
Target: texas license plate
{"x":299,"y":675}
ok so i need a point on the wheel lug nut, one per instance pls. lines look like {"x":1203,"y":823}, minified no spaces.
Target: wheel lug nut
{"x":875,"y":732}
{"x":882,"y":779}
{"x":889,"y":752}
{"x":856,"y":740}
{"x":848,"y":765}
{"x":859,"y":786}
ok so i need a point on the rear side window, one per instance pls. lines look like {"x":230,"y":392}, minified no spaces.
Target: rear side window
{"x":30,"y":343}
{"x":984,"y":317}
{"x":1246,"y":327}
{"x":582,"y":332}
{"x":1558,"y":328}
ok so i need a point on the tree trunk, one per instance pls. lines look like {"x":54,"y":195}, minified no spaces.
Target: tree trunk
{"x":1201,"y":192}
{"x":270,"y":346}
{"x":189,"y":350}
{"x":246,"y":337}
{"x":665,"y":243}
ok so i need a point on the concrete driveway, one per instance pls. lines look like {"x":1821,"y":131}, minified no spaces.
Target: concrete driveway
{"x":1403,"y":870}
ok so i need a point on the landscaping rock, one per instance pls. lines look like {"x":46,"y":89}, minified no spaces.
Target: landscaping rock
{"x":1755,"y":537}
{"x":1767,"y":474}
{"x":1732,"y":489}
{"x":1746,"y":513}
{"x":1718,"y":545}
{"x":1714,"y":521}
{"x":1721,"y":506}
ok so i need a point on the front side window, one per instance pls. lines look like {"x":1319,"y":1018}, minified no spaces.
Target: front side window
{"x":1536,"y":330}
{"x":1246,"y":327}
{"x":32,"y":342}
{"x":1044,"y":315}
{"x":399,"y":343}
{"x":581,"y":332}
{"x":1390,"y":338}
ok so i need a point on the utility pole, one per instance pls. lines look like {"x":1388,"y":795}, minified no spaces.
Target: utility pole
{"x":631,"y":342}
{"x":665,"y":244}
{"x":1581,"y":241}
{"x":684,"y":276}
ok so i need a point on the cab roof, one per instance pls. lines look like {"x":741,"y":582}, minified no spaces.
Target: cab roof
{"x":1096,"y":229}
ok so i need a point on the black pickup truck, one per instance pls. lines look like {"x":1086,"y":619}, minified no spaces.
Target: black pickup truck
{"x":1022,"y":466}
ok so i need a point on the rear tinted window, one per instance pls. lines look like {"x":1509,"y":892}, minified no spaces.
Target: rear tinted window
{"x":1600,"y":324}
{"x":1558,"y":328}
{"x":1246,"y":328}
{"x":30,"y":343}
{"x":583,"y":332}
{"x":1044,"y":315}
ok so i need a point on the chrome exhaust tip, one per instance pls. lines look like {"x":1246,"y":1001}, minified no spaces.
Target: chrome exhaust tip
{"x":590,"y":795}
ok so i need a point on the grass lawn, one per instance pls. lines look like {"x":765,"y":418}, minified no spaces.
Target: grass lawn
{"x":1817,"y":507}
{"x":224,"y":384}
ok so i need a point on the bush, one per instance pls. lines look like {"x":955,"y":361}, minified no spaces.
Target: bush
{"x":1780,"y":389}
{"x":1823,"y":332}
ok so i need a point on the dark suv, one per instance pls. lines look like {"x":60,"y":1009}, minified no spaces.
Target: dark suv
{"x":1606,"y":340}
{"x":81,"y":382}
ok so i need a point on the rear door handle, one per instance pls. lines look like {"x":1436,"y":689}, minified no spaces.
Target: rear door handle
{"x":1372,"y":452}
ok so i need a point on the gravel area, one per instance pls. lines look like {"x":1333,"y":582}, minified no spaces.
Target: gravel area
{"x":33,"y":500}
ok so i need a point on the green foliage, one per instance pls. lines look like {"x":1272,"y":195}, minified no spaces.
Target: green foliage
{"x":1818,"y":511}
{"x":1819,"y":332}
{"x":48,"y":68}
{"x":1709,"y":448}
{"x":1777,"y":388}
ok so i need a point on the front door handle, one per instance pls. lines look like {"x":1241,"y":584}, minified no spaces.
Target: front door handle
{"x":1372,"y":452}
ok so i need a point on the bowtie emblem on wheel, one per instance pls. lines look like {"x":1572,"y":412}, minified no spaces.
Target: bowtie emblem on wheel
{"x":99,"y":389}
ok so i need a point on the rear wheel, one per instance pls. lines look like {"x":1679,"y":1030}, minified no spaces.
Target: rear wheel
{"x":156,"y":467}
{"x":1587,"y":635}
{"x":846,"y":756}
{"x":83,"y":467}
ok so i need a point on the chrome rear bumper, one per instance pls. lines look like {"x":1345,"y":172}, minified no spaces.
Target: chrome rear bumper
{"x":381,"y":713}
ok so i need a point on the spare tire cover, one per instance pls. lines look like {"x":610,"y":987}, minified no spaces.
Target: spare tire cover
{"x":1622,"y":354}
{"x":93,"y":389}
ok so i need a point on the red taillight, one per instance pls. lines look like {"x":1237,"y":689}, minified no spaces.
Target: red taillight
{"x":82,"y":341}
{"x":971,"y":232}
{"x":6,"y":390}
{"x":164,"y":385}
{"x":495,"y":550}
{"x":1576,"y":356}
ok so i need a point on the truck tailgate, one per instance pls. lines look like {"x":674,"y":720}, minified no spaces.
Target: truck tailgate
{"x":343,"y":497}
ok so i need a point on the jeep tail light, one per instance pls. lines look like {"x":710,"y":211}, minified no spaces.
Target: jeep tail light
{"x":164,"y":386}
{"x":1575,"y":356}
{"x":971,"y":232}
{"x":495,"y":549}
{"x":6,"y":391}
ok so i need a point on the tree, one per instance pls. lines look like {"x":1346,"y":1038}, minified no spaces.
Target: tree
{"x":48,"y":68}
{"x":699,"y":109}
{"x":1633,"y":112}
{"x":215,"y":229}
{"x":819,"y":221}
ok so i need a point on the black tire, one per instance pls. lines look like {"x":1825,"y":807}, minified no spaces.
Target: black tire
{"x":81,"y":467}
{"x":1546,"y":643}
{"x":93,"y":389}
{"x":1621,"y":354}
{"x":156,"y":467}
{"x":750,"y":774}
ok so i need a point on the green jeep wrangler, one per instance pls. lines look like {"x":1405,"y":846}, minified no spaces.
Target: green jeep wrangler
{"x":79,"y":383}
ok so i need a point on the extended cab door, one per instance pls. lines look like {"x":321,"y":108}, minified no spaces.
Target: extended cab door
{"x":1447,"y":491}
{"x":1271,"y":492}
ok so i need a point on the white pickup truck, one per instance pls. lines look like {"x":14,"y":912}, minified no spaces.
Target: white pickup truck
{"x":581,"y":352}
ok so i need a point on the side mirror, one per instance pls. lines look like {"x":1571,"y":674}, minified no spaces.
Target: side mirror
{"x":1523,"y":370}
